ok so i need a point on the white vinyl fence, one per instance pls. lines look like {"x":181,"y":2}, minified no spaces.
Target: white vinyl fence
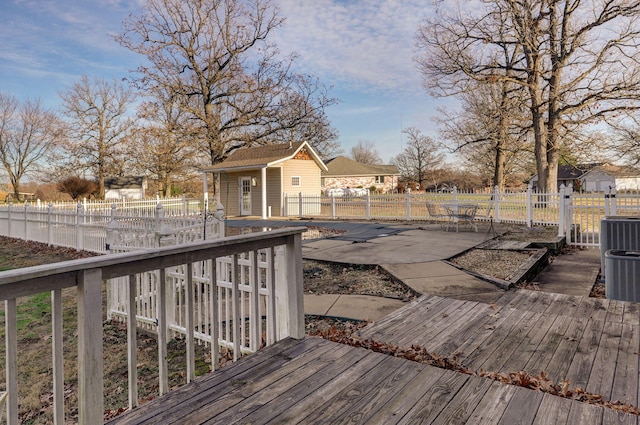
{"x":111,"y":227}
{"x":577,"y":215}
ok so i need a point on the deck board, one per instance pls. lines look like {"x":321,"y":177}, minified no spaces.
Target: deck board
{"x":592,"y":343}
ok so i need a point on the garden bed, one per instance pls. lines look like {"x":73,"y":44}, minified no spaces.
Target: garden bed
{"x":504,"y":268}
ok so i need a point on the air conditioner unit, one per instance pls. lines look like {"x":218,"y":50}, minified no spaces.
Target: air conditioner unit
{"x":617,"y":232}
{"x":622,"y":280}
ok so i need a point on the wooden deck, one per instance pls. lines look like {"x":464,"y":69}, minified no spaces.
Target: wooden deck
{"x":591,"y":342}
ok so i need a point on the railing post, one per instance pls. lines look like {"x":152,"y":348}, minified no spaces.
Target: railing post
{"x":58,"y":356}
{"x":132,"y":344}
{"x":11,"y":363}
{"x":79,"y":220}
{"x":49,"y":224}
{"x":561,"y":215}
{"x":529,"y":205}
{"x":289,"y":289}
{"x":90,"y":340}
{"x":285,"y":206}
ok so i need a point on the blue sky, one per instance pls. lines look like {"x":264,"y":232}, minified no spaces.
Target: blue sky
{"x":363,"y":49}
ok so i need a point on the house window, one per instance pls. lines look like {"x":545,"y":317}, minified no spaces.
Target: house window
{"x":295,"y":181}
{"x":379,"y":179}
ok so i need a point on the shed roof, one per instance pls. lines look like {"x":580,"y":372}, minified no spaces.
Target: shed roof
{"x":264,"y":156}
{"x":124,"y":182}
{"x":342,"y":166}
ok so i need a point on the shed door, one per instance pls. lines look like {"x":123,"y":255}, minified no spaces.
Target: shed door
{"x":245,"y":196}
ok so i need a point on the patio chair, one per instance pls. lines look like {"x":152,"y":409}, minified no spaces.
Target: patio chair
{"x":437,"y":214}
{"x":461,"y":214}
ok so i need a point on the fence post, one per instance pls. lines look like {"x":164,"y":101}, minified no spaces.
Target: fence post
{"x":9,"y":219}
{"x":607,"y":203}
{"x":112,"y":229}
{"x":573,"y":233}
{"x":285,"y":207}
{"x":368,"y":208}
{"x":300,"y":204}
{"x":333,"y":206}
{"x":496,"y":204}
{"x":79,"y":219}
{"x":49,"y":225}
{"x":614,"y":202}
{"x":561,"y":212}
{"x":164,"y":234}
{"x":26,"y":221}
{"x":529,"y":202}
{"x":408,"y":204}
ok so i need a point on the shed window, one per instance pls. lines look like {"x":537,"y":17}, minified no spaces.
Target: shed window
{"x":379,"y":179}
{"x":295,"y":181}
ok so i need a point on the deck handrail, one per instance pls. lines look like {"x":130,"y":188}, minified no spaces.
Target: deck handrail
{"x":88,"y":275}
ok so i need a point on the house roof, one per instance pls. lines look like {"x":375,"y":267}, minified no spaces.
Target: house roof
{"x":342,"y":166}
{"x":264,"y":156}
{"x":568,"y":172}
{"x":618,"y":170}
{"x":124,"y":182}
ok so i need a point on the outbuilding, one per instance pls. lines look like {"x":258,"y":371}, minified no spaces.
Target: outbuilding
{"x":255,"y":181}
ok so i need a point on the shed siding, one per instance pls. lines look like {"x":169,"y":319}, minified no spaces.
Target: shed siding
{"x":229,"y":187}
{"x":309,"y":174}
{"x":274,"y":194}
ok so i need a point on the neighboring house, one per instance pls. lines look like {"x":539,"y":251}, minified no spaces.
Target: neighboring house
{"x":567,"y":175}
{"x":604,"y":177}
{"x":343,"y":173}
{"x":596,"y":177}
{"x":254,"y":181}
{"x":125,"y":187}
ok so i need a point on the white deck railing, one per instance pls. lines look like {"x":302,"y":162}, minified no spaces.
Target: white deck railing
{"x":241,"y":291}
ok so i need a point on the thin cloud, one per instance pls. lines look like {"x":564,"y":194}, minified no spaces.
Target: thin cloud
{"x":365,"y":44}
{"x":361,"y":110}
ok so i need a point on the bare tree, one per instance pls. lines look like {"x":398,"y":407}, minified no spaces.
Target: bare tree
{"x":490,"y":131}
{"x":419,"y":159}
{"x":365,"y":152}
{"x":215,"y":57}
{"x":577,"y":61}
{"x":28,"y":134}
{"x":96,"y":112}
{"x":163,"y":147}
